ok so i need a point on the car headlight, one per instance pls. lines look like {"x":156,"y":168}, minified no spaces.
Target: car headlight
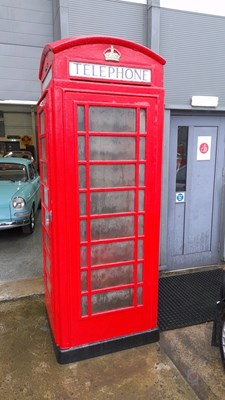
{"x":18,"y":203}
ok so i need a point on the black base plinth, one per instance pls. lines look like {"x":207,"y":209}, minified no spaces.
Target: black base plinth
{"x":74,"y":354}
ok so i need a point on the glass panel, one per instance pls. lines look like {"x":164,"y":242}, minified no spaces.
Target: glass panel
{"x":112,"y":119}
{"x":108,"y":277}
{"x":112,"y":148}
{"x":182,"y":148}
{"x":43,"y":149}
{"x":42,"y":123}
{"x":112,"y":252}
{"x":112,"y":202}
{"x":82,"y":176}
{"x":84,"y":306}
{"x":139,"y":295}
{"x":142,"y":120}
{"x":44,"y":172}
{"x":112,"y":175}
{"x":141,"y":225}
{"x":112,"y":300}
{"x":105,"y":228}
{"x":140,"y":249}
{"x":83,"y":231}
{"x":45,"y":192}
{"x":81,"y":148}
{"x":141,"y":200}
{"x":46,"y":218}
{"x":142,"y":148}
{"x":140,"y":272}
{"x":84,"y":281}
{"x":83,"y":256}
{"x":80,"y":117}
{"x":141,"y":175}
{"x":83,"y":204}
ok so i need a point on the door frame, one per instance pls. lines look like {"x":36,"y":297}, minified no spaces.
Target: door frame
{"x":188,"y":119}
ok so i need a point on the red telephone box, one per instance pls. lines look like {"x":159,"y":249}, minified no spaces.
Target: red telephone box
{"x":100,"y":122}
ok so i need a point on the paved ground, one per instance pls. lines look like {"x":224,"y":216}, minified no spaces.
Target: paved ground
{"x":21,"y":255}
{"x":182,"y":366}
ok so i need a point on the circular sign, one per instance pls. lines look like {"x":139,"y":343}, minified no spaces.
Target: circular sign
{"x":180,"y":197}
{"x":204,"y":148}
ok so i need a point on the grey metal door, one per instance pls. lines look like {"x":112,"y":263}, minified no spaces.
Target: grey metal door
{"x":195,"y":191}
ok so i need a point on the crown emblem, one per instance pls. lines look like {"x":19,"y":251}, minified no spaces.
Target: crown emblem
{"x":111,"y":54}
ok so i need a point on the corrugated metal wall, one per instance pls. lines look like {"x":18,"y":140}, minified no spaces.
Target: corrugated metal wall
{"x":108,"y":17}
{"x":193,"y":45}
{"x":25,"y":26}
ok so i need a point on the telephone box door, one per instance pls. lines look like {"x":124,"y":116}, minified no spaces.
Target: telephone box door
{"x":112,"y":235}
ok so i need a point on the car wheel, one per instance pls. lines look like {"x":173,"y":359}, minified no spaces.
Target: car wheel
{"x":222,"y":338}
{"x":28,"y":229}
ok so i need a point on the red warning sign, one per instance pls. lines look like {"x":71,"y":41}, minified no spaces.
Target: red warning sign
{"x":204,"y":148}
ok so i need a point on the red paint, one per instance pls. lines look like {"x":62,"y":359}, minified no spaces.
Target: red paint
{"x":62,"y":217}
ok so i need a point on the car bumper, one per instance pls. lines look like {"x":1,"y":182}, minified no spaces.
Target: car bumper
{"x":14,"y":224}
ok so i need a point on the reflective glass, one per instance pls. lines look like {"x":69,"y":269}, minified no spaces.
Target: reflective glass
{"x":80,"y":118}
{"x":182,"y":149}
{"x":112,"y":202}
{"x":112,"y":300}
{"x":112,"y":148}
{"x":108,"y":277}
{"x":112,"y":252}
{"x":112,"y":119}
{"x":106,"y":228}
{"x":112,"y":175}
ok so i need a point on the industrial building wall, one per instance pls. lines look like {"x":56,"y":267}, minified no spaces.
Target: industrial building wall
{"x":192,"y":45}
{"x":25,"y":26}
{"x":108,"y":17}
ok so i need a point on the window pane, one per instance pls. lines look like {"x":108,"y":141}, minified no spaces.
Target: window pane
{"x":140,"y":272}
{"x":83,"y":281}
{"x":142,"y":148}
{"x":84,"y":305}
{"x":112,"y":202}
{"x":182,"y":148}
{"x":112,"y":252}
{"x":83,"y":204}
{"x":43,"y":149}
{"x":83,"y":256}
{"x":81,"y":148}
{"x":112,"y":148}
{"x":141,"y":175}
{"x":112,"y":300}
{"x":141,"y":225}
{"x":108,"y":277}
{"x":112,"y":175}
{"x":80,"y":117}
{"x":142,"y":120}
{"x":45,"y":190}
{"x":42,"y":123}
{"x":141,"y":200}
{"x":83,"y":231}
{"x":105,"y":228}
{"x":82,"y":176}
{"x":139,"y":295}
{"x":112,"y":119}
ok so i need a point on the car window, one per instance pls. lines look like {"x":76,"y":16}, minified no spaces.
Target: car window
{"x":31,"y":171}
{"x":13,"y":172}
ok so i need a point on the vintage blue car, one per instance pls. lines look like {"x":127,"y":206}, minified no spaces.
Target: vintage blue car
{"x":19,"y":194}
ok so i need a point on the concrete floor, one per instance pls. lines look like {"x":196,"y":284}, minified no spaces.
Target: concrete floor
{"x":21,"y":255}
{"x":182,"y":366}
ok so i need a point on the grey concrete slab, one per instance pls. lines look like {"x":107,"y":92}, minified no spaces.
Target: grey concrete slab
{"x":20,"y":255}
{"x":29,"y":369}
